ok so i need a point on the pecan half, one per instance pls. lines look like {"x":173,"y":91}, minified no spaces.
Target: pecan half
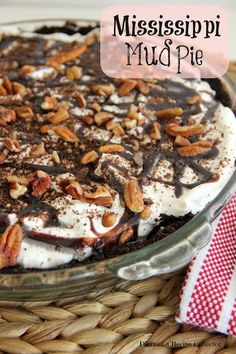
{"x":60,"y":116}
{"x":25,"y":113}
{"x":169,"y":112}
{"x":7,"y":84}
{"x":10,"y":243}
{"x":133,"y":196}
{"x":102,"y":197}
{"x":103,"y":117}
{"x":126,"y":236}
{"x":192,"y":150}
{"x":110,"y":148}
{"x":89,"y":157}
{"x":11,"y":145}
{"x":184,"y":130}
{"x":8,"y":115}
{"x":40,"y":183}
{"x":108,"y":219}
{"x":63,"y":57}
{"x":19,"y":88}
{"x":66,"y":134}
{"x":127,"y":87}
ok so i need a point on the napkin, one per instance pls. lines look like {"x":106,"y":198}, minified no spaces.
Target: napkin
{"x":208,"y":294}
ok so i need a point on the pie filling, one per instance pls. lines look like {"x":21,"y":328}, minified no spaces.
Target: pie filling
{"x":91,"y":164}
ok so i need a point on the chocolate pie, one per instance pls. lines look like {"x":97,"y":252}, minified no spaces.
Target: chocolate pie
{"x":92,"y":167}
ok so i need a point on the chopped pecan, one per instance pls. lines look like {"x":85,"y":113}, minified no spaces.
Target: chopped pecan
{"x":194,"y":99}
{"x":126,"y":236}
{"x":155,"y":132}
{"x":2,"y":158}
{"x":169,"y":112}
{"x":89,"y":120}
{"x":181,"y":141}
{"x":146,"y":213}
{"x":102,"y":197}
{"x":7,"y":84}
{"x":60,"y":116}
{"x":46,"y":128}
{"x":184,"y":130}
{"x":96,"y":107}
{"x":40,"y":183}
{"x":17,"y":190}
{"x":108,"y":219}
{"x":25,"y":113}
{"x":27,"y":69}
{"x":118,"y":130}
{"x":130,"y":123}
{"x":103,"y":117}
{"x":143,"y":87}
{"x":74,"y":189}
{"x":138,"y":158}
{"x":11,"y":144}
{"x":19,"y":88}
{"x":81,"y":100}
{"x":66,"y":134}
{"x":37,"y":150}
{"x":10,"y":243}
{"x":103,"y":89}
{"x":89,"y":157}
{"x":133,"y":196}
{"x":110,"y":148}
{"x":192,"y":150}
{"x":3,"y":91}
{"x":8,"y":115}
{"x":127,"y":87}
{"x":110,"y":125}
{"x":49,"y":103}
{"x":63,"y":57}
{"x":56,"y":157}
{"x":74,"y":73}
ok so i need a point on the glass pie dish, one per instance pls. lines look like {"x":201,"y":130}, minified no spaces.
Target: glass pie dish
{"x":167,"y":255}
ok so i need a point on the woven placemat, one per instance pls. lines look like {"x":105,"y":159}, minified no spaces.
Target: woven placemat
{"x":116,"y":318}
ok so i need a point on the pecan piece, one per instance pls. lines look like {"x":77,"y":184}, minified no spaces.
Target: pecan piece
{"x":102,"y":197}
{"x":110,"y":148}
{"x":7,"y":84}
{"x":74,"y":73}
{"x":108,"y":219}
{"x":37,"y":150}
{"x":66,"y":134}
{"x":11,"y":145}
{"x":2,"y":158}
{"x":143,"y":87}
{"x":24,"y":181}
{"x":81,"y":100}
{"x":40,"y":183}
{"x":89,"y":120}
{"x":146,"y":213}
{"x":192,"y":150}
{"x":184,"y":130}
{"x":60,"y":116}
{"x":133,"y":196}
{"x":74,"y":189}
{"x":8,"y":115}
{"x":169,"y":112}
{"x":63,"y":57}
{"x":49,"y":103}
{"x":118,"y":130}
{"x":17,"y":190}
{"x":89,"y":157}
{"x":103,"y":89}
{"x":56,"y":157}
{"x":103,"y":117}
{"x":126,"y":236}
{"x":127,"y":87}
{"x":19,"y":88}
{"x":194,"y":99}
{"x":25,"y":113}
{"x":3,"y":91}
{"x":10,"y":243}
{"x":155,"y":132}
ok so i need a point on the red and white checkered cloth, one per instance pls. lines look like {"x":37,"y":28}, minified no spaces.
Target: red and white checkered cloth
{"x":208,"y":295}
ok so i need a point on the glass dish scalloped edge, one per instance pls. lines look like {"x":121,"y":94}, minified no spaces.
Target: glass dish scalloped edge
{"x":164,"y":256}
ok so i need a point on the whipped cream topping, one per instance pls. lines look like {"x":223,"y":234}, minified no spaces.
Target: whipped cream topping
{"x":47,"y":245}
